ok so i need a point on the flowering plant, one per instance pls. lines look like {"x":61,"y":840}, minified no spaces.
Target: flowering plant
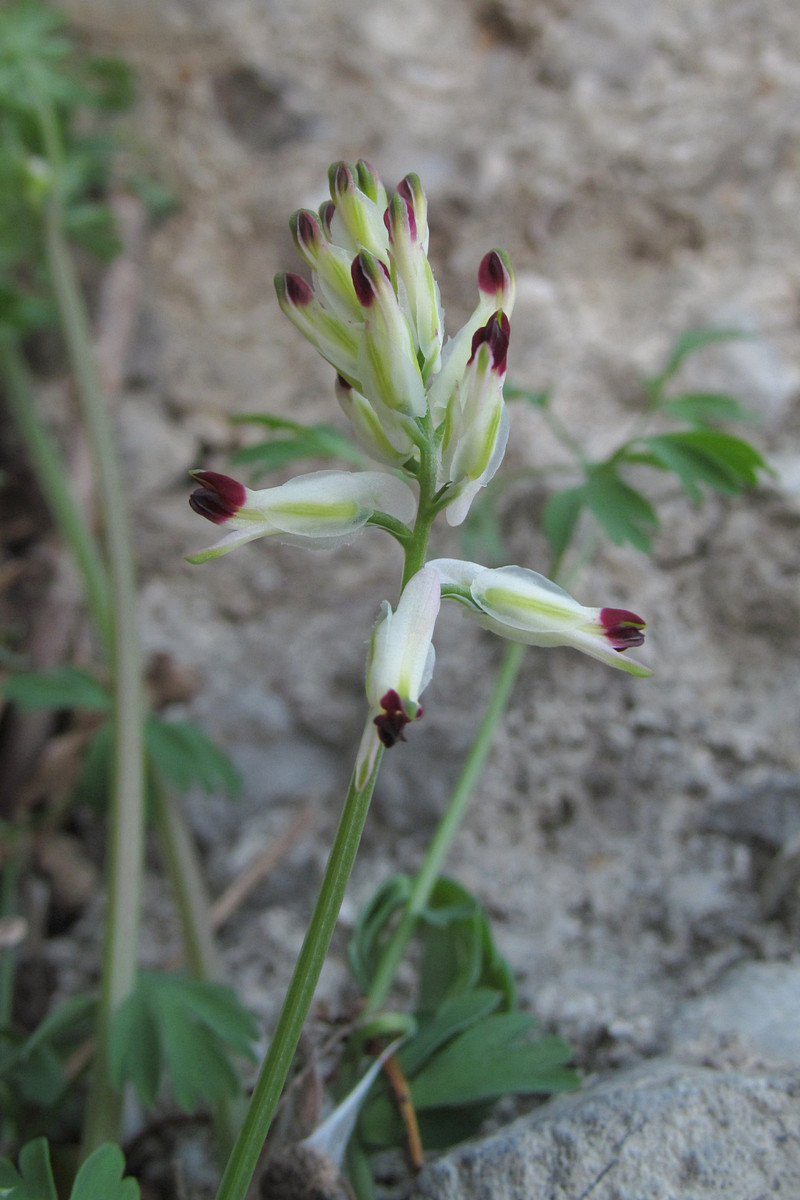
{"x":434,"y":413}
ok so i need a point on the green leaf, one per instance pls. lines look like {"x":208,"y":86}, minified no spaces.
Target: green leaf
{"x":726,"y":463}
{"x":452,"y":946}
{"x":134,"y":1048}
{"x":372,"y":930}
{"x":34,"y":1180}
{"x":301,"y":441}
{"x":217,"y":1007}
{"x":452,"y":1018}
{"x":187,"y":757}
{"x":61,"y":687}
{"x":489,"y":1060}
{"x":693,"y":340}
{"x":197,"y":1065}
{"x":458,"y":952}
{"x":624,"y":513}
{"x":188,"y":1030}
{"x":560,"y":516}
{"x":706,"y":408}
{"x":101,"y":1177}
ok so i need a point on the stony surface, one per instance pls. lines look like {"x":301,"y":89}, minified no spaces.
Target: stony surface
{"x":652,"y":1133}
{"x":640,"y":164}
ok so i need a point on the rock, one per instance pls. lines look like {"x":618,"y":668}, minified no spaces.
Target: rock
{"x":658,"y":1131}
{"x":753,"y":1012}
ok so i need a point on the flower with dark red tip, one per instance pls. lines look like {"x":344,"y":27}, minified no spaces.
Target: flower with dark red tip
{"x":399,"y":667}
{"x":526,"y":607}
{"x":325,"y":508}
{"x":475,"y":428}
{"x":393,"y":720}
{"x":218,"y":498}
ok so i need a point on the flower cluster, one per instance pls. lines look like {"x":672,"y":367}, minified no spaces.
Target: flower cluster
{"x":432,"y":412}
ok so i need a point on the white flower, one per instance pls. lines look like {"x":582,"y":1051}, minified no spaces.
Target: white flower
{"x":325,"y":508}
{"x":475,"y":430}
{"x":399,"y":667}
{"x":525,"y":607}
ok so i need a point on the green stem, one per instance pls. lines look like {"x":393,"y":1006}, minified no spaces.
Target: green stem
{"x":53,"y":480}
{"x":440,"y":845}
{"x":416,"y":546}
{"x":244,"y":1159}
{"x":127,"y":820}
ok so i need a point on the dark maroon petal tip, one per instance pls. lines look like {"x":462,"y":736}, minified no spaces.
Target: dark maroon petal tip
{"x":492,"y":274}
{"x":495,"y":334}
{"x":298,"y":292}
{"x":400,"y":211}
{"x":393,"y":720}
{"x":361,"y":273}
{"x":327,"y":211}
{"x":340,"y":178}
{"x":219,"y":498}
{"x":405,"y":188}
{"x":622,"y":628}
{"x":305,"y":226}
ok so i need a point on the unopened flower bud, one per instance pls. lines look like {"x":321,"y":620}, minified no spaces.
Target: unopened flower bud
{"x":416,"y":276}
{"x":371,"y":183}
{"x":357,"y":223}
{"x":387,"y":363}
{"x":400,"y":666}
{"x":410,"y":189}
{"x":381,"y":433}
{"x":307,"y":234}
{"x":476,"y":424}
{"x":333,"y":337}
{"x":495,"y":293}
{"x":496,"y":280}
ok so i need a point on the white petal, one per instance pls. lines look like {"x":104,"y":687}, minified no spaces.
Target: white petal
{"x":401,"y":655}
{"x":455,"y":572}
{"x":528,"y":601}
{"x":230,"y":541}
{"x":331,"y":503}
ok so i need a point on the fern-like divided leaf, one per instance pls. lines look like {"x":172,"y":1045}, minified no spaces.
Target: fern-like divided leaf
{"x":188,"y":1031}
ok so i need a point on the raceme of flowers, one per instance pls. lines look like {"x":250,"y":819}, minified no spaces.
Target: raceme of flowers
{"x":431,"y":412}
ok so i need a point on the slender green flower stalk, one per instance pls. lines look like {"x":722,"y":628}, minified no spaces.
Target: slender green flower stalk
{"x":126,"y":834}
{"x":266,"y":1094}
{"x":434,"y":412}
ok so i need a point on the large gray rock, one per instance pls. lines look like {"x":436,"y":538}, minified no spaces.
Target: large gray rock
{"x":657,"y":1132}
